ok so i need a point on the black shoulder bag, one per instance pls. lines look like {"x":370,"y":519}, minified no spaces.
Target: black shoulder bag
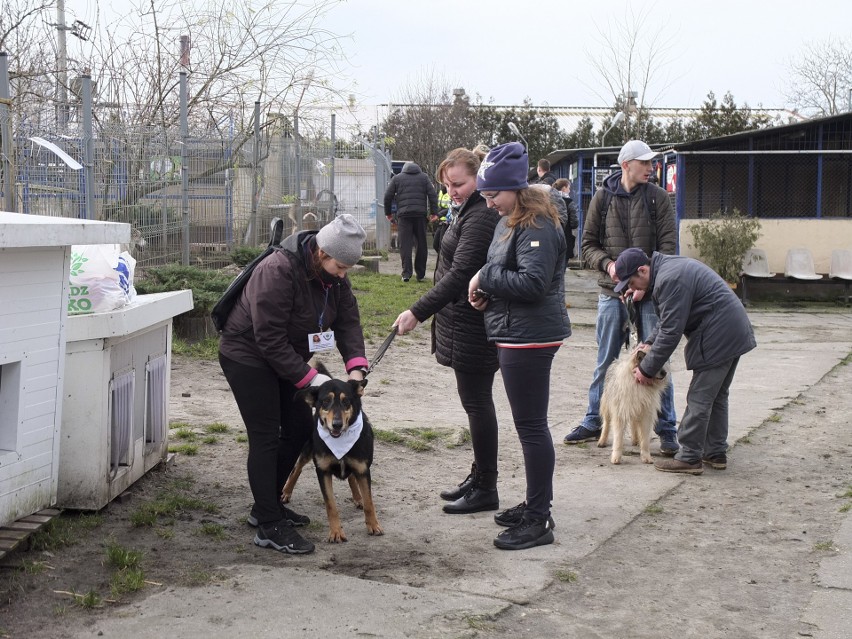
{"x":223,"y":307}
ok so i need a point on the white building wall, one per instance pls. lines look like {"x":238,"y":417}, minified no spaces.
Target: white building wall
{"x":32,"y":283}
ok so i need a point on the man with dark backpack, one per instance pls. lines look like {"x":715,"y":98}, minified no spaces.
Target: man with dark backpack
{"x":625,"y":212}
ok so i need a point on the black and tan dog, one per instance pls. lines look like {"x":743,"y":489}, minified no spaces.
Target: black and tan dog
{"x":337,"y":417}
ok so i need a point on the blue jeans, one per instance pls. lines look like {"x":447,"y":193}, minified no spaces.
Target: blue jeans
{"x":612,"y":317}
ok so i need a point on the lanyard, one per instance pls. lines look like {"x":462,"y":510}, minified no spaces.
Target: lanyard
{"x":324,"y":305}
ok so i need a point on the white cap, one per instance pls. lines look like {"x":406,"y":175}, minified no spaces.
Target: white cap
{"x":636,"y":150}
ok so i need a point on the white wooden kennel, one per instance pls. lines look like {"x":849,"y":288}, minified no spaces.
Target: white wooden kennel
{"x":115,"y":417}
{"x":35,"y":256}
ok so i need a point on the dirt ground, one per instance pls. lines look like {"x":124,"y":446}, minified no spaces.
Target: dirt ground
{"x":729,"y":554}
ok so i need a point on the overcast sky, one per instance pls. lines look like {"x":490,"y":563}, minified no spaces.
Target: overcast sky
{"x":509,"y":49}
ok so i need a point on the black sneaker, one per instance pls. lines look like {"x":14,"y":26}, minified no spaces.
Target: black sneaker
{"x":291,"y":516}
{"x":283,"y":538}
{"x":515,"y":515}
{"x":719,"y":461}
{"x":582,"y":434}
{"x":668,"y":444}
{"x":527,"y":534}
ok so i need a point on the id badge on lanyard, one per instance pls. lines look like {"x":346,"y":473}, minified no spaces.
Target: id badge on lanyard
{"x":322,"y":340}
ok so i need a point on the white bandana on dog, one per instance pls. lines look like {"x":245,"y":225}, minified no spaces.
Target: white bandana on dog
{"x":341,"y":445}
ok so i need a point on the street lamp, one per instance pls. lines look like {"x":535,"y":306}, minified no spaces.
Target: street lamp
{"x":615,"y":122}
{"x":515,"y":131}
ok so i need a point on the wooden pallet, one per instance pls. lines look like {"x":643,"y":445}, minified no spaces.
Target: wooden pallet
{"x":15,"y":534}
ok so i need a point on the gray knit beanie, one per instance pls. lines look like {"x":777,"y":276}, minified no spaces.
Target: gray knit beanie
{"x":342,"y":239}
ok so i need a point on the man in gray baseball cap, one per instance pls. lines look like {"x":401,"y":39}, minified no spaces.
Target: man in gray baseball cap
{"x":625,"y":213}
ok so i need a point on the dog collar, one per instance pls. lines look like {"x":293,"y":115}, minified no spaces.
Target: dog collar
{"x":339,"y":446}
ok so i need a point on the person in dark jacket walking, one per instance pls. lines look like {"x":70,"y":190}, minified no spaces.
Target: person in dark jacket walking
{"x":691,"y":300}
{"x":298,"y":302}
{"x":545,"y":175}
{"x":413,"y":193}
{"x":458,"y":331}
{"x":563,"y":186}
{"x":626,"y":212}
{"x":521,"y":289}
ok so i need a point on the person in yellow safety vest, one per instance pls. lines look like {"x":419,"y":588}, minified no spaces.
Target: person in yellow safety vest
{"x":443,"y":204}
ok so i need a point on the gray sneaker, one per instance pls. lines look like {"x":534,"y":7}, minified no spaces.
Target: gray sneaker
{"x":283,"y":538}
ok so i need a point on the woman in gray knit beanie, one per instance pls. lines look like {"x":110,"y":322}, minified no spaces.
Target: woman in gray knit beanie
{"x":342,"y":239}
{"x":297,"y":304}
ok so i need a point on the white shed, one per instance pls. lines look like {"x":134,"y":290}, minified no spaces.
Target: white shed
{"x":34,"y":272}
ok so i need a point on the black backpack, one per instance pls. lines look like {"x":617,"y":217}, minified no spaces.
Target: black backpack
{"x":223,"y":307}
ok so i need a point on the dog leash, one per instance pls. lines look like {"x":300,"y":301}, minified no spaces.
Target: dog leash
{"x":632,"y":333}
{"x":381,"y":352}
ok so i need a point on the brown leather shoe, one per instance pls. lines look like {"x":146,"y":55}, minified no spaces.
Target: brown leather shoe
{"x":677,"y":466}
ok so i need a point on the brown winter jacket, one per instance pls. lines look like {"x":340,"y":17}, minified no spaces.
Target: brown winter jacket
{"x":458,"y":329}
{"x":628,"y":224}
{"x":280,"y":305}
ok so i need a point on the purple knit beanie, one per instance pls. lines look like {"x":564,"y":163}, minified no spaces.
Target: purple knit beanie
{"x":504,"y":169}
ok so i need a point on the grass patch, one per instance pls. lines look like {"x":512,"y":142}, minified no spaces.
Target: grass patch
{"x":184,"y":434}
{"x":180,"y":425}
{"x":210,"y":439}
{"x":381,"y":298}
{"x":122,"y":558}
{"x":388,"y":436}
{"x":845,"y":508}
{"x":128,"y":580}
{"x":653,"y":509}
{"x":824,"y":546}
{"x":479,"y":622}
{"x":775,"y":418}
{"x":216,"y":427}
{"x":65,"y":530}
{"x":566,"y":576}
{"x":418,"y":446}
{"x":185,"y":449}
{"x":847,"y":494}
{"x":241,"y":439}
{"x":32,"y":567}
{"x":217,"y":531}
{"x":168,"y":505}
{"x":208,"y":348}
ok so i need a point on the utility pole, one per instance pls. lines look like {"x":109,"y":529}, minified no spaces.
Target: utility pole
{"x":62,"y":67}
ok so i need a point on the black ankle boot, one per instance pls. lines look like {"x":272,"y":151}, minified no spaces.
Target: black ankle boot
{"x":482,"y":495}
{"x":454,"y":493}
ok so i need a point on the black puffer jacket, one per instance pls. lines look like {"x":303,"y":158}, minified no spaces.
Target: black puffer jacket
{"x":458,"y":329}
{"x":413,"y":192}
{"x":525,"y":275}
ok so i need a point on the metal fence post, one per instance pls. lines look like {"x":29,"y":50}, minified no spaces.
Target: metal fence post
{"x":298,"y":174}
{"x":88,"y":149}
{"x":7,"y":159}
{"x":184,"y":169}
{"x":333,"y":198}
{"x":251,"y":234}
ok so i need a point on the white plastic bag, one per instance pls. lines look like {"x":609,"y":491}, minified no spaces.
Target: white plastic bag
{"x":101,"y":278}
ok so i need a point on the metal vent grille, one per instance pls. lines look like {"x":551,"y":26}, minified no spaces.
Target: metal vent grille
{"x":155,"y":400}
{"x":121,"y":391}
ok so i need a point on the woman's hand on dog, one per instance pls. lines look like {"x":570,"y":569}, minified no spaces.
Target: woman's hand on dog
{"x":405,"y":322}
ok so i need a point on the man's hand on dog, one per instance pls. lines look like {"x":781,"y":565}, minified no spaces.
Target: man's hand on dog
{"x":640,"y":377}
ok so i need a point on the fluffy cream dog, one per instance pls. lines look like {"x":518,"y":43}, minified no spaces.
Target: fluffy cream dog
{"x":626,"y":404}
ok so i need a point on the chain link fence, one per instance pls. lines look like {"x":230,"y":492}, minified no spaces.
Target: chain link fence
{"x":193,"y":198}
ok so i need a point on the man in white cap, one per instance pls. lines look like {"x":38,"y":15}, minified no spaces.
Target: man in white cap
{"x":625,"y":212}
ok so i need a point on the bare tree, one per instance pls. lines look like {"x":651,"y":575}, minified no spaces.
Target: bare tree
{"x":820,"y":81}
{"x":630,"y":63}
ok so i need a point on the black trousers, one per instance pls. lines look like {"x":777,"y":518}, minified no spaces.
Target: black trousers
{"x":411,"y":233}
{"x":478,"y":402}
{"x":277,"y":428}
{"x":526,"y":377}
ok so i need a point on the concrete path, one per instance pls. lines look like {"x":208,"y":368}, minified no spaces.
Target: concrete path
{"x":796,"y":351}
